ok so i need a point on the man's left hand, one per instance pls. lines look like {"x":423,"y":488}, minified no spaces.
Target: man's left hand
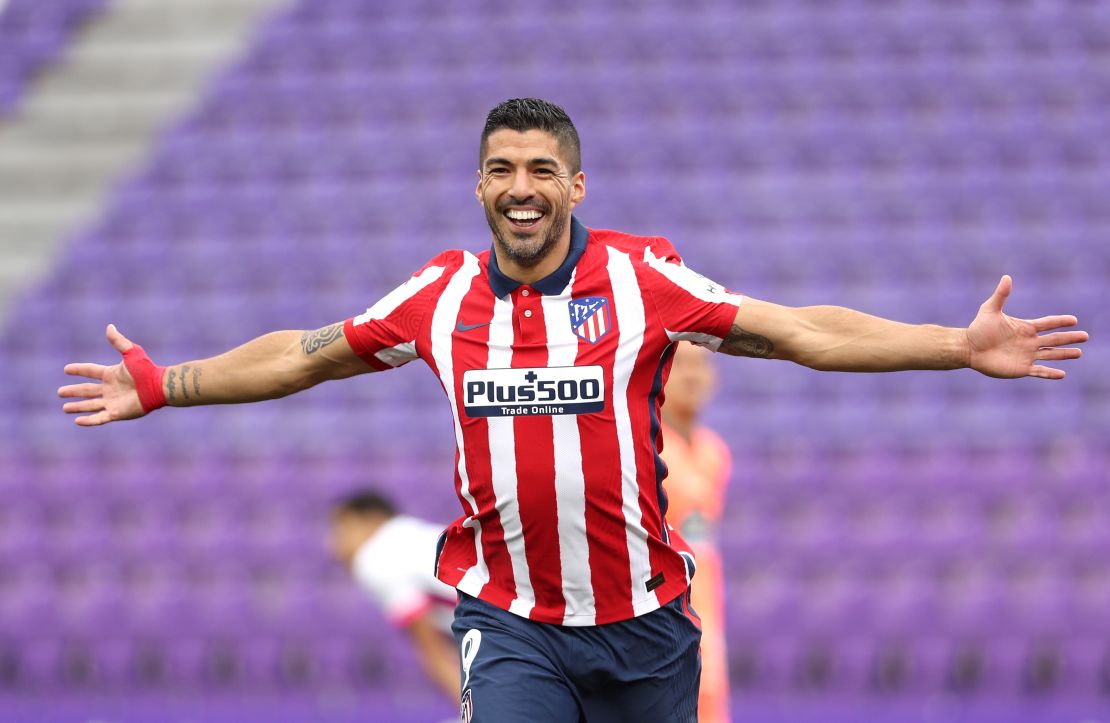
{"x":1004,"y":347}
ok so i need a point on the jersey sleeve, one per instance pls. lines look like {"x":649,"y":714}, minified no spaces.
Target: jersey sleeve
{"x":394,"y":586}
{"x":384,"y":335}
{"x":691,"y":307}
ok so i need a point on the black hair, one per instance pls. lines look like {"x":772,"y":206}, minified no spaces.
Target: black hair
{"x":364,"y":503}
{"x":526,"y":114}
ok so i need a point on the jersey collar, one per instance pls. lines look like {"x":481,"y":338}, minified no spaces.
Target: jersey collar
{"x":552,"y":284}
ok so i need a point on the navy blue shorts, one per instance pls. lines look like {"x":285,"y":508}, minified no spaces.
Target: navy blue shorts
{"x":515,"y":670}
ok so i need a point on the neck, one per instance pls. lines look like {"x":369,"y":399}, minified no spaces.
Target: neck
{"x":374,"y":524}
{"x":547,"y":265}
{"x":681,"y":424}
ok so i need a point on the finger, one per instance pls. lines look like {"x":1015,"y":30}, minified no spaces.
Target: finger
{"x":1057,"y":354}
{"x":80,"y":390}
{"x":1060,"y":338}
{"x":94,"y":420}
{"x":87,"y":405}
{"x":120,"y":342}
{"x":93,"y":371}
{"x":1001,"y":293}
{"x":1046,"y":372}
{"x":1053,"y":322}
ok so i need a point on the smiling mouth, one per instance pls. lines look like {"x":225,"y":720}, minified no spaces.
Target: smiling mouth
{"x":523,"y":218}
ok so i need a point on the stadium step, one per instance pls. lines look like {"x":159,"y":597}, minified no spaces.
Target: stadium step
{"x":90,"y":119}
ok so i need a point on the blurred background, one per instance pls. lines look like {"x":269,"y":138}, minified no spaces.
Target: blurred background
{"x":908,"y":547}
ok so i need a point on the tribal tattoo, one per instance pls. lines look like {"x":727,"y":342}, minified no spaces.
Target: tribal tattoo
{"x":314,"y":341}
{"x":744,"y":343}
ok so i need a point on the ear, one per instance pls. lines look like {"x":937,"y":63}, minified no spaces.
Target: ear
{"x":478,"y":188}
{"x":577,"y":189}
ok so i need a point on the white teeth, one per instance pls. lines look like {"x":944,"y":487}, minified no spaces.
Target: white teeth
{"x":522,"y":215}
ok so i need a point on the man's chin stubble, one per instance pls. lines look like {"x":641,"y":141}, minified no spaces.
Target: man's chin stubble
{"x":527,"y":259}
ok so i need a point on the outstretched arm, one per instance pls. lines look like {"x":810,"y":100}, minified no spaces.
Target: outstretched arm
{"x":833,"y":338}
{"x":270,"y":366}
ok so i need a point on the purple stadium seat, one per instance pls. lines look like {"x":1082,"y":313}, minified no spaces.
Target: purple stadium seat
{"x":34,"y":34}
{"x":926,"y":534}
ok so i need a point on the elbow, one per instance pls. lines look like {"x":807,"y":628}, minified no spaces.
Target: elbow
{"x":811,"y":340}
{"x":305,"y":379}
{"x":295,"y":376}
{"x":809,"y":359}
{"x":801,"y":344}
{"x":292,"y":386}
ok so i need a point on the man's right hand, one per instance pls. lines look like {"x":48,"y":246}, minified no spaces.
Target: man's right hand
{"x":267,"y":367}
{"x":112,"y":397}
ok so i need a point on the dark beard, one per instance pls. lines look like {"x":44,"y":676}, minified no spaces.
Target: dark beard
{"x":525,"y":257}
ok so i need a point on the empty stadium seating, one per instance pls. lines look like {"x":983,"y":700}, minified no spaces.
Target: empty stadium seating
{"x":917,"y":534}
{"x":32,"y":34}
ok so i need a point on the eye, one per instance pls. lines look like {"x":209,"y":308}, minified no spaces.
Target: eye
{"x":544,"y":172}
{"x":498,"y":171}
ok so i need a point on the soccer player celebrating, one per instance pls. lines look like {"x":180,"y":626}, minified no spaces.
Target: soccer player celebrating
{"x":552,"y":348}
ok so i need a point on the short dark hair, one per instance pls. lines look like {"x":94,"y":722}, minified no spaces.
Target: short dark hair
{"x":365,"y":503}
{"x":526,"y":114}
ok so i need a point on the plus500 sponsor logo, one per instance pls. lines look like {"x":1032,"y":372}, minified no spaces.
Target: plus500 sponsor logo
{"x":532,"y":391}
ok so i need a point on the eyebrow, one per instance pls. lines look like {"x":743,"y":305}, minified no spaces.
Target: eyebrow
{"x":540,"y":161}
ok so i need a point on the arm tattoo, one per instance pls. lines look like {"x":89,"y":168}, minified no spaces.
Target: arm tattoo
{"x":196,"y":380}
{"x":171,"y":389}
{"x":314,"y":341}
{"x":184,"y":384}
{"x":745,"y":343}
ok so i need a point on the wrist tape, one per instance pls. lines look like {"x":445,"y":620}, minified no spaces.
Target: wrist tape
{"x":148,"y":378}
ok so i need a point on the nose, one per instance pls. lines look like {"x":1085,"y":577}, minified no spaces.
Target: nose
{"x":522,"y":185}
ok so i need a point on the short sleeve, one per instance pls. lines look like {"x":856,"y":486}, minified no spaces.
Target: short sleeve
{"x":384,"y":335}
{"x":395,"y":586}
{"x":691,"y":307}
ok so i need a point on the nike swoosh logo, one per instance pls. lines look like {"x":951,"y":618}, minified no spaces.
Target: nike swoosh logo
{"x":467,"y":327}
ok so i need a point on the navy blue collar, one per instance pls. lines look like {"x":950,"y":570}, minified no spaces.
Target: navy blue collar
{"x":552,"y":284}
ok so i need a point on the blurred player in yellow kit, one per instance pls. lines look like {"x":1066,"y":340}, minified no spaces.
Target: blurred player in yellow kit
{"x":699,"y":464}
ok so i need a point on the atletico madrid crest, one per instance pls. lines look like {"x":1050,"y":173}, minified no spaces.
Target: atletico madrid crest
{"x":466,"y":713}
{"x":589,"y":318}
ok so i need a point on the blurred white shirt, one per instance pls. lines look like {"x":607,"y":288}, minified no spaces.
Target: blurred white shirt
{"x":396,"y":567}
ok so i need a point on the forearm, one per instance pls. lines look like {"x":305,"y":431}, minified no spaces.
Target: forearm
{"x":442,"y":666}
{"x":267,"y":367}
{"x":438,"y":655}
{"x":835,"y":338}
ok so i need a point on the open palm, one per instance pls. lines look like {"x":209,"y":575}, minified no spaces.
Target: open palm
{"x":112,"y":397}
{"x":1005,"y":347}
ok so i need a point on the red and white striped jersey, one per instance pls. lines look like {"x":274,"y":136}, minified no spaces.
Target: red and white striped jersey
{"x":555,"y":388}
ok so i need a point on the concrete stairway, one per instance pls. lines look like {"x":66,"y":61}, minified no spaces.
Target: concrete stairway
{"x":93,"y":117}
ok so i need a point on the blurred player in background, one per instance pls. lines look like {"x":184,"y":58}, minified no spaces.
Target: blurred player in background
{"x":698,"y":467}
{"x":392,"y":557}
{"x":552,"y":348}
